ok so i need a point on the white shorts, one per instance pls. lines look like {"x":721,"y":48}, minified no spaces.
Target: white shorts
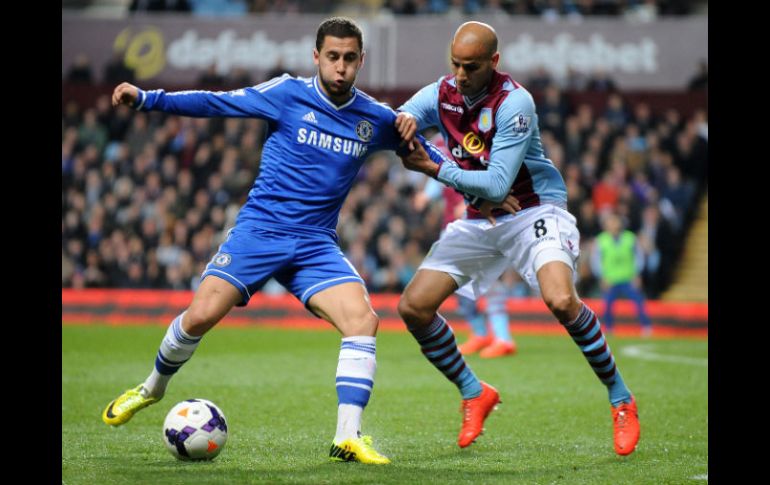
{"x":475,"y":253}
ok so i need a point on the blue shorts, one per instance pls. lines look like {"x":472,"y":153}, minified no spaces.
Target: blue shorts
{"x":303,"y":264}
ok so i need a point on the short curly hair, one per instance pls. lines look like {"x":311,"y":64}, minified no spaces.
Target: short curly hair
{"x":338,"y":27}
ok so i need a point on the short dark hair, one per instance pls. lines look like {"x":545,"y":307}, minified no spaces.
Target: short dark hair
{"x":338,"y":27}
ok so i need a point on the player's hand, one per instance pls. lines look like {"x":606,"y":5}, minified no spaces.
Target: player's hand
{"x":510,"y":204}
{"x":125,"y":93}
{"x":406,"y":125}
{"x":419,"y":161}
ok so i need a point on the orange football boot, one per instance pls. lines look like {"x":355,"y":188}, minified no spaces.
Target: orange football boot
{"x":474,"y":344}
{"x":499,"y":348}
{"x":625,"y":421}
{"x":475,"y":411}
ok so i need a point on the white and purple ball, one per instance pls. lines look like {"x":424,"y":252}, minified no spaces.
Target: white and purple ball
{"x":195,"y":429}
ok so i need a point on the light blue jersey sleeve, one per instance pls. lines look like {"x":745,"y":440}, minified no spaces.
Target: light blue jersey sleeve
{"x":261,"y":101}
{"x":423,"y":105}
{"x":392,"y":141}
{"x":514,"y":120}
{"x":433,"y":189}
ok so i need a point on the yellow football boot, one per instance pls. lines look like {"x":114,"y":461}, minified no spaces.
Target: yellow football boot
{"x":357,"y":449}
{"x":125,"y":406}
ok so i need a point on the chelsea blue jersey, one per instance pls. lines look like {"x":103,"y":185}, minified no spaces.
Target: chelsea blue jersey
{"x":312,"y":152}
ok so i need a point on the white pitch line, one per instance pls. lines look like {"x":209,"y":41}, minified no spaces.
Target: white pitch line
{"x":705,"y":476}
{"x":645,"y":352}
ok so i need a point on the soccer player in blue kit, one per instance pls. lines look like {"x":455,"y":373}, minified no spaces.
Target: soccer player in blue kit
{"x":490,"y":126}
{"x":320,"y":131}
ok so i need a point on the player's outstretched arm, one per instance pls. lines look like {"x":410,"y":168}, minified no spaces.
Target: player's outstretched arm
{"x":125,"y":93}
{"x":251,"y":102}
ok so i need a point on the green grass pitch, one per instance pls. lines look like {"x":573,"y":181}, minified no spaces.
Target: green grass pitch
{"x":276,"y":387}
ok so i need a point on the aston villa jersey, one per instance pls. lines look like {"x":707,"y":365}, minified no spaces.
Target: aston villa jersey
{"x":495,"y":132}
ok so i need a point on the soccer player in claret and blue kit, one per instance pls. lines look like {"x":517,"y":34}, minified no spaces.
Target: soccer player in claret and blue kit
{"x":490,"y":126}
{"x":320,"y":131}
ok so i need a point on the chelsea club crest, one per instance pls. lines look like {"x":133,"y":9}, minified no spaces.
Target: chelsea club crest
{"x":364,"y":131}
{"x":222,"y":259}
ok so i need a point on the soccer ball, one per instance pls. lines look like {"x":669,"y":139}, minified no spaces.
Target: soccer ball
{"x":195,"y":429}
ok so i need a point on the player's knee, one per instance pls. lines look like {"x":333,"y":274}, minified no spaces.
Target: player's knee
{"x":405,"y":308}
{"x":562,"y":304}
{"x":358,"y":323}
{"x":412,"y":312}
{"x":364,"y":325}
{"x":198,"y":320}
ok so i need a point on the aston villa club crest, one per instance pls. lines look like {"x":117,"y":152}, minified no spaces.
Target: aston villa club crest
{"x":364,"y":131}
{"x":485,"y":120}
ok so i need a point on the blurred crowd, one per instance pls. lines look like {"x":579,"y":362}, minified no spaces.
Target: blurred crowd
{"x":148,"y":197}
{"x":643,"y":10}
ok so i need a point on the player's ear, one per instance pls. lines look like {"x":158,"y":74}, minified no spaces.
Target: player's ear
{"x":316,"y":56}
{"x":363,"y":54}
{"x":495,"y":59}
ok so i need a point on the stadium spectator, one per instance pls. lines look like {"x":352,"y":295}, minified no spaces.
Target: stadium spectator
{"x":219,"y":8}
{"x":606,"y":193}
{"x":601,"y":82}
{"x":159,"y":6}
{"x":552,"y":112}
{"x":407,"y":7}
{"x":641,"y":11}
{"x":643,"y":117}
{"x":691,"y":150}
{"x":211,"y":78}
{"x":116,"y":70}
{"x":678,"y":194}
{"x":455,"y":7}
{"x":80,"y":71}
{"x":616,"y":113}
{"x":239,"y":77}
{"x":700,"y":79}
{"x":660,"y":245}
{"x":539,"y":80}
{"x":91,"y":133}
{"x":574,"y":80}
